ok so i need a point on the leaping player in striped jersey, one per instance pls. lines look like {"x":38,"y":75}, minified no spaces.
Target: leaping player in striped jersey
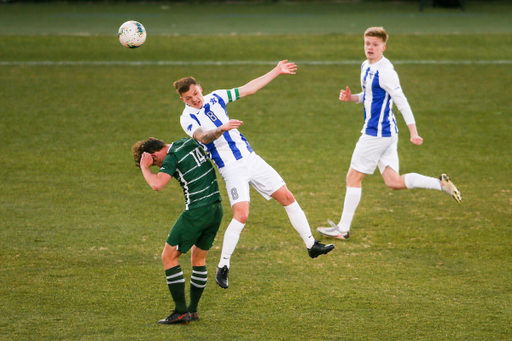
{"x":205,"y":118}
{"x":377,"y":145}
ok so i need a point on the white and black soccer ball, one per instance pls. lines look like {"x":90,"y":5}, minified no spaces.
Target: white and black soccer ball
{"x":132,"y":34}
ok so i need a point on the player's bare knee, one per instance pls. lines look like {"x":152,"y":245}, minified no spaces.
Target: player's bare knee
{"x":288,"y":199}
{"x":240,"y":211}
{"x":241,"y":216}
{"x":284,"y":196}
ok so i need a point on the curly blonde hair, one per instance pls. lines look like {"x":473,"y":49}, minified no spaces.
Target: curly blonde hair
{"x":150,"y":146}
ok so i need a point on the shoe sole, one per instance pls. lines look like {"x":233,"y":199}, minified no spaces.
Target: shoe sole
{"x":176,"y":322}
{"x":223,"y":287}
{"x":340,"y":236}
{"x":187,"y":322}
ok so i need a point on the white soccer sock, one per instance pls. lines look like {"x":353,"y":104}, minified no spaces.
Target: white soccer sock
{"x":231,"y":238}
{"x":352,"y":198}
{"x":300,"y":223}
{"x":414,"y":180}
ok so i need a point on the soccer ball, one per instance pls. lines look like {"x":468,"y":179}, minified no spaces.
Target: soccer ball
{"x":132,"y":34}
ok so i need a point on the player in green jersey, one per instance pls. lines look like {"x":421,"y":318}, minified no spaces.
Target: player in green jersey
{"x":196,"y":227}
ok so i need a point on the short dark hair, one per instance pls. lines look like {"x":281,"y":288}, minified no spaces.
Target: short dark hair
{"x":150,"y":146}
{"x":183,"y":85}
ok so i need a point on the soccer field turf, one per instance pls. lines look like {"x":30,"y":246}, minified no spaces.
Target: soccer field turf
{"x":81,"y":232}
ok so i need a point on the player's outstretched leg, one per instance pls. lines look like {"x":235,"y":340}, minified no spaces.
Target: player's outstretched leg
{"x":319,"y":249}
{"x":449,"y":187}
{"x":333,"y":231}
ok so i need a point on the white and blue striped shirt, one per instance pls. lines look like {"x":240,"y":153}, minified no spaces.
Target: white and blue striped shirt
{"x":381,"y":87}
{"x":232,"y":145}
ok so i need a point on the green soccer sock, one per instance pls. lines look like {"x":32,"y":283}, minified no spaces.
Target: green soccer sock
{"x":176,"y":284}
{"x":197,"y":285}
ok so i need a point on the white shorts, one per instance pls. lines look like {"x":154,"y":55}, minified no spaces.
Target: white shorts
{"x":252,"y":170}
{"x":372,"y":151}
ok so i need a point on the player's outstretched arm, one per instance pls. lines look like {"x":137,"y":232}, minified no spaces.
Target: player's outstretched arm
{"x":415,"y":138}
{"x":156,"y":181}
{"x":209,"y":136}
{"x":283,"y":68}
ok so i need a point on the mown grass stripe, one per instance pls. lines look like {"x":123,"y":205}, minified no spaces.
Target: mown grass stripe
{"x":240,"y":62}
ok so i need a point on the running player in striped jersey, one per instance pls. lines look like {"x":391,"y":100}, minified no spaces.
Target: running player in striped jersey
{"x":205,"y":118}
{"x":197,"y":225}
{"x":377,"y":145}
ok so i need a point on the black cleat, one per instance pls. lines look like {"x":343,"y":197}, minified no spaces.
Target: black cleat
{"x":176,"y":318}
{"x":194,"y":316}
{"x":319,"y":249}
{"x":221,"y":276}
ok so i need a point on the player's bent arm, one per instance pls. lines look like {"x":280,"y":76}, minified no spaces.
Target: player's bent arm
{"x":415,"y":138}
{"x":209,"y":136}
{"x":347,"y":96}
{"x":156,"y":181}
{"x":284,"y":67}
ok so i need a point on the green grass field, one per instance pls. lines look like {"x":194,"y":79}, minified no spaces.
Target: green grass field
{"x":81,"y":232}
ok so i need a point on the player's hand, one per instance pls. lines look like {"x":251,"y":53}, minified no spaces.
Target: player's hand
{"x":146,"y":160}
{"x":232,"y":124}
{"x":286,"y":67}
{"x":345,"y":95}
{"x":417,"y":140}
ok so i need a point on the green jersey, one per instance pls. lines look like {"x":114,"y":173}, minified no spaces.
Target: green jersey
{"x":186,"y":161}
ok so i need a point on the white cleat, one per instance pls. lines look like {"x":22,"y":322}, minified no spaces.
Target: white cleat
{"x":333,"y":232}
{"x":449,"y":187}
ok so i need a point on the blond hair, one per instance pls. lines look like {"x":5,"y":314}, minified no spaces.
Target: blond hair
{"x":378,"y":32}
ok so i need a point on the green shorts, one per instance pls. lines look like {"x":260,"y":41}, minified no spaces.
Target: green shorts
{"x":197,"y":227}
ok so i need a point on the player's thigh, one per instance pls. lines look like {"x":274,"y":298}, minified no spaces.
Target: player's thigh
{"x":389,"y":157}
{"x":213,"y":218}
{"x":264,"y":178}
{"x":368,"y":152}
{"x":237,"y":179}
{"x":199,"y":225}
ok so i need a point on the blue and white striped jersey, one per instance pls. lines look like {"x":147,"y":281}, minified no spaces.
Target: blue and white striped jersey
{"x":232,"y":145}
{"x":381,"y":87}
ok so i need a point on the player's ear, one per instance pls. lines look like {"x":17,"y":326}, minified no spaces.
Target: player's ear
{"x":384,"y":48}
{"x":199,"y":87}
